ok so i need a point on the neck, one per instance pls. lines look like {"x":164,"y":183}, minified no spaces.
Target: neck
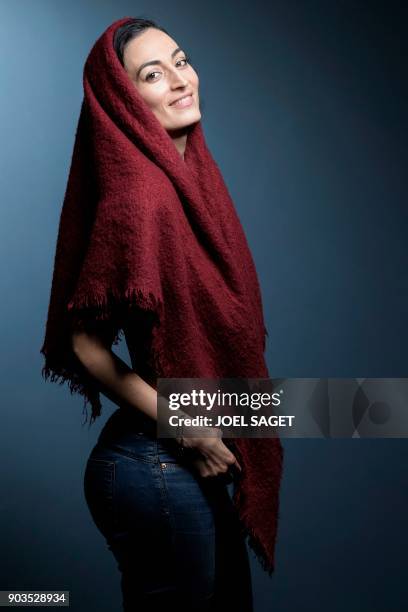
{"x":179,"y":137}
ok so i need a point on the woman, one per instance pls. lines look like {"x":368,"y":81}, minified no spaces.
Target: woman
{"x":149,"y":243}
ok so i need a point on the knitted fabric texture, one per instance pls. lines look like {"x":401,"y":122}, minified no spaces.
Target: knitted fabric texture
{"x":141,"y":229}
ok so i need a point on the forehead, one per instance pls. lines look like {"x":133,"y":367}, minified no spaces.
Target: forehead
{"x":152,"y":44}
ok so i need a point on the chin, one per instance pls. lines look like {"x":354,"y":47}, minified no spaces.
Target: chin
{"x":184,"y":123}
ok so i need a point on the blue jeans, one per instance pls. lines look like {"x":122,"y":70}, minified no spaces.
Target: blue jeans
{"x":175,"y":535}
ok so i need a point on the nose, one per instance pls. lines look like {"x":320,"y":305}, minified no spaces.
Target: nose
{"x":177,"y":79}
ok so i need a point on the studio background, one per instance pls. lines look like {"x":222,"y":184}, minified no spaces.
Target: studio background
{"x":305,"y":110}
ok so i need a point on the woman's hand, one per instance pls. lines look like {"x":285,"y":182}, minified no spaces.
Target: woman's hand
{"x":216,"y":457}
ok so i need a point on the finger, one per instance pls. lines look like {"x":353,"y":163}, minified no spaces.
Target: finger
{"x":221,"y":461}
{"x":201,"y":467}
{"x":223,"y":453}
{"x":215,"y":467}
{"x":237,"y":464}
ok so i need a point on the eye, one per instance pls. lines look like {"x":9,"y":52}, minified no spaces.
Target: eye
{"x":150,"y":74}
{"x":186,"y":60}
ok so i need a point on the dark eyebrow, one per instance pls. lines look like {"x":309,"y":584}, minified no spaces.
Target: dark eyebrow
{"x":156,"y":61}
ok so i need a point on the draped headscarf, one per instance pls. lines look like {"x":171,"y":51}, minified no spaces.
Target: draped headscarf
{"x":144,"y":230}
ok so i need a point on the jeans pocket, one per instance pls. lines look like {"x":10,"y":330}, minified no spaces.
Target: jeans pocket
{"x":99,"y":484}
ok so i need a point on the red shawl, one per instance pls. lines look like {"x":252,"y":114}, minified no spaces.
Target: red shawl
{"x":141,"y":228}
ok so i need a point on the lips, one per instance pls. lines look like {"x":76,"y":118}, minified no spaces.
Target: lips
{"x":185,"y":100}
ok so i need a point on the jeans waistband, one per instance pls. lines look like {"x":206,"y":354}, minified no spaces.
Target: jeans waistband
{"x":135,"y":433}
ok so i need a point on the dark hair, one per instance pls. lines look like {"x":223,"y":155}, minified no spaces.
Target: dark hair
{"x":130,"y":30}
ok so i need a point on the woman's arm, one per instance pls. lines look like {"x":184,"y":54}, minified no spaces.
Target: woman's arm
{"x":123,"y":386}
{"x":117,"y":380}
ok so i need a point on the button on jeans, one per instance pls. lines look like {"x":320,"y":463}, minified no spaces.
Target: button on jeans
{"x":176,"y":536}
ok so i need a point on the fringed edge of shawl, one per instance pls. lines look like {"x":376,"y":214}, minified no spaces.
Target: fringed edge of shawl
{"x":103,"y":308}
{"x":267,"y":561}
{"x":61,"y":375}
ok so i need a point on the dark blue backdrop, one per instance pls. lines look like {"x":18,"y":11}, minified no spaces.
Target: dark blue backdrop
{"x":304,"y":108}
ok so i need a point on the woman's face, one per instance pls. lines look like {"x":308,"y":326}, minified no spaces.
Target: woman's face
{"x":167,"y":78}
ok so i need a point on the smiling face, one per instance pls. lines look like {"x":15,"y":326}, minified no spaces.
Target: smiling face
{"x":160,"y":71}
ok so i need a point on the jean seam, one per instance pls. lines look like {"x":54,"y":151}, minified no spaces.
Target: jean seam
{"x":164,"y":494}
